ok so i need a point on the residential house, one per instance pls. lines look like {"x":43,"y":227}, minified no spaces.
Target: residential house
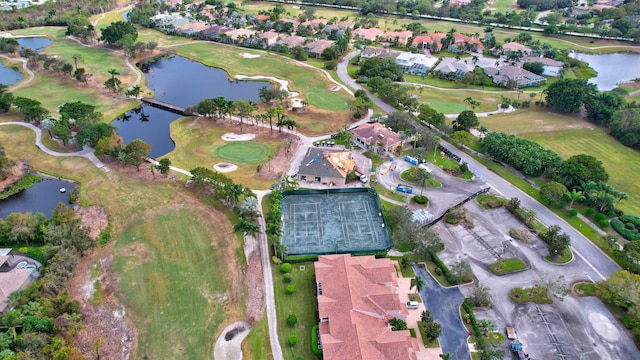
{"x":366,"y":34}
{"x":370,"y":51}
{"x":269,"y":38}
{"x":523,"y":78}
{"x":326,"y":166}
{"x":416,"y":64}
{"x":463,"y":43}
{"x":399,"y":37}
{"x":428,"y":41}
{"x":294,"y":23}
{"x":459,"y":3}
{"x":213,"y":31}
{"x":169,"y":21}
{"x":315,"y":48}
{"x":344,"y":25}
{"x":357,"y":297}
{"x":192,"y":28}
{"x":238,"y":36}
{"x":515,"y":47}
{"x":316,"y":23}
{"x":551,"y":67}
{"x":15,"y":274}
{"x":291,"y":41}
{"x":376,"y":137}
{"x":452,"y":69}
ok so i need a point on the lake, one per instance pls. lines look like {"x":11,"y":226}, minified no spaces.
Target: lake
{"x":611,"y":68}
{"x":8,"y":75}
{"x":183,"y":82}
{"x":43,"y":197}
{"x":34,"y":43}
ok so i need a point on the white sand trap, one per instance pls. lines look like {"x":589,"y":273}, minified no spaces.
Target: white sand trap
{"x":225,"y":167}
{"x":249,"y":56}
{"x":296,"y":103}
{"x":604,"y":327}
{"x":238,"y":137}
{"x":284,"y":84}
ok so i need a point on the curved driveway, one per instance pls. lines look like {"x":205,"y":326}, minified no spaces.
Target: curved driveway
{"x":582,"y":247}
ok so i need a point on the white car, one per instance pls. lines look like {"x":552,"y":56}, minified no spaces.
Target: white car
{"x":412,"y":304}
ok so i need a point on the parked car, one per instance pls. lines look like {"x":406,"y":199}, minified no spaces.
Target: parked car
{"x":412,"y":304}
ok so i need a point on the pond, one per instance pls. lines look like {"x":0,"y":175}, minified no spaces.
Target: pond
{"x":182,"y":82}
{"x":34,"y":43}
{"x":43,"y":197}
{"x":9,"y":75}
{"x":611,"y":68}
{"x":137,"y":124}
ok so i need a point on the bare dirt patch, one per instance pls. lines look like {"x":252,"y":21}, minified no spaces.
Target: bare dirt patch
{"x":92,"y":217}
{"x":106,"y":332}
{"x":136,"y":254}
{"x":17,"y":172}
{"x":279,"y":164}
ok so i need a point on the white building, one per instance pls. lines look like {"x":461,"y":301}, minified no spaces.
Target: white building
{"x":416,"y":64}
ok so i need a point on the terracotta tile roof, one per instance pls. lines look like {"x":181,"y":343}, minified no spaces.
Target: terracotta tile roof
{"x":359,"y":297}
{"x":514,"y":46}
{"x":376,"y":132}
{"x":269,"y":35}
{"x":315,"y":22}
{"x":291,"y":41}
{"x":403,"y":36}
{"x":368,"y":34}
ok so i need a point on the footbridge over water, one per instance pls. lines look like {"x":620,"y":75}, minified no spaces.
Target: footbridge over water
{"x":163,"y":105}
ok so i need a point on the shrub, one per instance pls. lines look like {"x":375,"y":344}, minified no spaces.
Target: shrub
{"x":611,"y":213}
{"x":293,"y":339}
{"x":590,"y":212}
{"x":573,"y":213}
{"x":290,"y":289}
{"x":603,"y":224}
{"x":285,"y":268}
{"x":314,"y":341}
{"x":276,"y":260}
{"x":599,"y":217}
{"x":520,"y":234}
{"x":627,"y":226}
{"x":287,"y":278}
{"x":292,"y":320}
{"x":420,"y":199}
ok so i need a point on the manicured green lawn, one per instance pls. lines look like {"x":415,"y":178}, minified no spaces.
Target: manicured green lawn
{"x":538,"y":295}
{"x":249,"y":152}
{"x":256,"y":344}
{"x":327,"y":99}
{"x":168,"y":261}
{"x":428,"y":183}
{"x":431,"y":266}
{"x":567,"y":256}
{"x":446,"y":107}
{"x":585,"y":289}
{"x":302,"y":303}
{"x":496,"y":337}
{"x":505,"y":266}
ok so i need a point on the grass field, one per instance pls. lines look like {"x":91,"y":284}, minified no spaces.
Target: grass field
{"x":505,"y":266}
{"x":585,"y":289}
{"x":197,"y":141}
{"x":249,"y":152}
{"x":302,"y":303}
{"x":328,"y":99}
{"x":256,"y":345}
{"x":174,"y":272}
{"x":167,"y":260}
{"x":446,"y":107}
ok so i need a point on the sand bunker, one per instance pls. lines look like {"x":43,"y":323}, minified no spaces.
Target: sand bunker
{"x":225,"y":167}
{"x":249,"y":56}
{"x":296,"y":103}
{"x":284,"y":84}
{"x":603,"y":326}
{"x":238,"y":137}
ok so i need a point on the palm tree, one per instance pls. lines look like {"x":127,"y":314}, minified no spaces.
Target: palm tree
{"x":572,"y":196}
{"x":621,"y":196}
{"x":113,"y":73}
{"x":423,"y":176}
{"x":445,"y":356}
{"x":436,"y":141}
{"x":475,"y":59}
{"x":418,"y":282}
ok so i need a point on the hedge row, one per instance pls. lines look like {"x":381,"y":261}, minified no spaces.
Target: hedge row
{"x":314,"y":341}
{"x":300,"y":258}
{"x":629,"y":234}
{"x":480,"y":341}
{"x":445,"y":270}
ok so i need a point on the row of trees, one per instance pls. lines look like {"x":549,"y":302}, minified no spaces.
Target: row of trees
{"x":52,"y":13}
{"x":41,"y":319}
{"x":524,"y":155}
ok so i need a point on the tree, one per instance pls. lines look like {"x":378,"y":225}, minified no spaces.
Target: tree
{"x":136,"y":152}
{"x":556,"y":286}
{"x":445,"y":356}
{"x":134,"y":91}
{"x":465,"y":121}
{"x":572,"y":196}
{"x":6,"y":98}
{"x":432,"y":330}
{"x":385,"y":68}
{"x":601,"y":107}
{"x":480,"y":296}
{"x":62,"y":132}
{"x":47,"y":125}
{"x":117,"y":31}
{"x":461,"y":272}
{"x":164,"y":166}
{"x":622,"y":289}
{"x":556,"y":241}
{"x":553,"y":193}
{"x":580,"y":168}
{"x":292,"y":320}
{"x":243,"y":109}
{"x":92,"y":133}
{"x":418,"y":283}
{"x":31,"y":109}
{"x":535,"y":67}
{"x":569,"y":95}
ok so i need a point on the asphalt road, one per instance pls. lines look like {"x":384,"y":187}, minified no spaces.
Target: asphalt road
{"x":582,"y":247}
{"x":444,"y":304}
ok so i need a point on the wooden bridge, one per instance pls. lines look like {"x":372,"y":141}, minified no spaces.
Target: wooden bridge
{"x":163,"y":105}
